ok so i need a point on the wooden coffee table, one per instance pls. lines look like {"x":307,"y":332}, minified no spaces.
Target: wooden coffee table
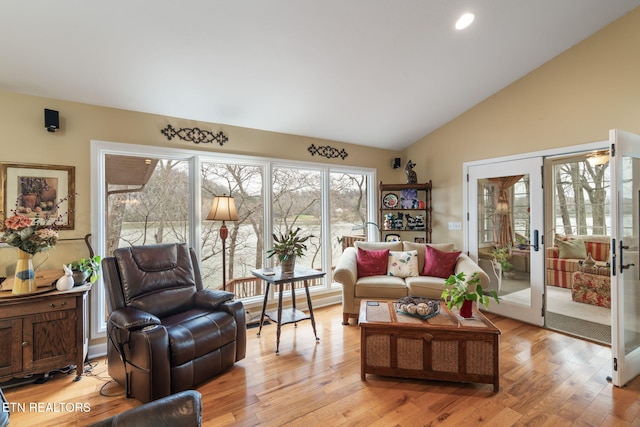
{"x":444,"y":347}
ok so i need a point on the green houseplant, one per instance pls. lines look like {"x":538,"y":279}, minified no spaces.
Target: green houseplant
{"x":503,"y":258}
{"x":461,"y":293}
{"x":86,"y":269}
{"x":287,"y":247}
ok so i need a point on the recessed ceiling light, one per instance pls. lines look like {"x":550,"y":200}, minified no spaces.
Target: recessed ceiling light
{"x":464,"y":21}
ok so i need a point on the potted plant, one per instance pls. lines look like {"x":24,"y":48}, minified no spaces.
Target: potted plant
{"x":462,"y":293}
{"x":287,"y":247}
{"x":86,"y":269}
{"x":503,"y":258}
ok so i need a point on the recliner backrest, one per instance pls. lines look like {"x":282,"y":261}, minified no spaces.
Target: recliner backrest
{"x":158,"y":279}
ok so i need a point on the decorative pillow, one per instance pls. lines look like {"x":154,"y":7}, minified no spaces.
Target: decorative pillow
{"x":403,"y":264}
{"x":420,"y":247}
{"x":571,"y":249}
{"x":372,"y":262}
{"x":439,"y":263}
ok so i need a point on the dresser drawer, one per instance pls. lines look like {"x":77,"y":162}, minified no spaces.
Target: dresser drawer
{"x":46,"y":305}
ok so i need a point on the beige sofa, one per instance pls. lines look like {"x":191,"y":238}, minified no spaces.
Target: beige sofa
{"x":356,"y":289}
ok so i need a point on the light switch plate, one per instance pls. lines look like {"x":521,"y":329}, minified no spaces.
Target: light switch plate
{"x":455,"y":226}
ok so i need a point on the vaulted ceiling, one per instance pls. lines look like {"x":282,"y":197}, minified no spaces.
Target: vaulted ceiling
{"x":380,"y":73}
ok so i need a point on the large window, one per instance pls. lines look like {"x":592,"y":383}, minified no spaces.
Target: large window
{"x":154,"y":195}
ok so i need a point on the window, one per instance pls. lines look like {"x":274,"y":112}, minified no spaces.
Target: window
{"x":581,"y":197}
{"x":158,"y":195}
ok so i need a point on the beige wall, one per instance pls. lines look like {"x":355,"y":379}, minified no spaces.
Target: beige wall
{"x":24,"y":140}
{"x":573,"y":99}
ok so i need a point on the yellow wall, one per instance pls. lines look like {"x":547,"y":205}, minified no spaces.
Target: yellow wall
{"x":25,"y":140}
{"x":573,"y":99}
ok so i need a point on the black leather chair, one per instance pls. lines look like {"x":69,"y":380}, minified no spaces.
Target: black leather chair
{"x":165,"y":332}
{"x":182,"y":409}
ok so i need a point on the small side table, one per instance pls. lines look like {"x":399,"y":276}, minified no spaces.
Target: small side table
{"x":274,"y":276}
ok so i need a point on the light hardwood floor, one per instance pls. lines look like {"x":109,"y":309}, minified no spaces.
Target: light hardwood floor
{"x":547,"y":379}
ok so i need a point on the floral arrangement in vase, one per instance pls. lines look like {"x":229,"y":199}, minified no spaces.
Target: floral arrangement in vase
{"x":31,"y":235}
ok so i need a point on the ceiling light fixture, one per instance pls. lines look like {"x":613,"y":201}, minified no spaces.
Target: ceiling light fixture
{"x":464,"y":21}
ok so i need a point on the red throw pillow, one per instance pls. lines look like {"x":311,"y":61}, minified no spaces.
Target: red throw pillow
{"x":438,"y":263}
{"x":372,"y":262}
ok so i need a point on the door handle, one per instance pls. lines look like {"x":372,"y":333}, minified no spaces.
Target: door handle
{"x":535,"y":245}
{"x":624,"y":266}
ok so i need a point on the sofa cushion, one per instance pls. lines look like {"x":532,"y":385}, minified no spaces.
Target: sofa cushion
{"x":425,"y":286}
{"x":439,"y":263}
{"x":387,"y":287}
{"x":403,"y":264}
{"x":420,"y":247}
{"x":571,"y":249}
{"x":372,"y":262}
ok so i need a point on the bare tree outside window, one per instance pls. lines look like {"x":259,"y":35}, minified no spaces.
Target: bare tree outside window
{"x":581,"y":198}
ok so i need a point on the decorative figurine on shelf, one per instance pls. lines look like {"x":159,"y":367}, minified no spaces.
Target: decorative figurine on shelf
{"x":411,"y":222}
{"x":419,"y":222}
{"x":388,"y":219}
{"x":398,"y":222}
{"x":412,"y":177}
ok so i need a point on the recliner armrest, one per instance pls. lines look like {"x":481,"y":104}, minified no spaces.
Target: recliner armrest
{"x":132,"y":319}
{"x":210,"y":298}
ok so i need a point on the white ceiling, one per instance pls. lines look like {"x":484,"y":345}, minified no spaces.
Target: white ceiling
{"x":381,"y":73}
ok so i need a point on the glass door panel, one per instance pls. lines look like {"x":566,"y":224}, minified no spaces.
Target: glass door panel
{"x":625,"y":280}
{"x":505,"y":219}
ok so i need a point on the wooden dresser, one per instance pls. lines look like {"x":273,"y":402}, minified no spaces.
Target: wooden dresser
{"x":43,"y":332}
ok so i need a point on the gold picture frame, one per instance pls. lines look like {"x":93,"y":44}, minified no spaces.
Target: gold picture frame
{"x":49,"y":183}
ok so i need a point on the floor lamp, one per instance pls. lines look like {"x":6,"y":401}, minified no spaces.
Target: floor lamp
{"x":223,"y":209}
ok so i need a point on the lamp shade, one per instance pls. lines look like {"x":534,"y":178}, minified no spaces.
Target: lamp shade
{"x":223,"y":208}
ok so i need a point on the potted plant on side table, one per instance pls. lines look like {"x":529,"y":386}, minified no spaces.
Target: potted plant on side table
{"x":287,"y":247}
{"x":86,"y":270}
{"x":462,"y":293}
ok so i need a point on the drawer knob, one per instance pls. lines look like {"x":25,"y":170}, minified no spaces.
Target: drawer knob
{"x":51,"y":304}
{"x":24,"y":343}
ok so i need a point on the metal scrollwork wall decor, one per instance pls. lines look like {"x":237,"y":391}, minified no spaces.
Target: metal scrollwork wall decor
{"x":327,"y":151}
{"x":195,"y":135}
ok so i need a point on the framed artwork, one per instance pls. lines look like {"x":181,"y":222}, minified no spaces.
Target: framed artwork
{"x":392,"y":237}
{"x":35,"y":191}
{"x":419,"y":240}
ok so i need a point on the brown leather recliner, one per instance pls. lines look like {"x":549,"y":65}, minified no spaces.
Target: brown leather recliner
{"x":165,"y":332}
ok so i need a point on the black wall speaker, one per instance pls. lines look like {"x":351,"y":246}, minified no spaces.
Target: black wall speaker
{"x":51,"y":120}
{"x":396,"y":163}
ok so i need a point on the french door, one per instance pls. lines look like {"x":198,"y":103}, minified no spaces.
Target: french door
{"x":505,"y":205}
{"x":625,"y":262}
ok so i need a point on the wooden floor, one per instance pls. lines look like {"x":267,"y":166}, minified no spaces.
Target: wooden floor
{"x":547,"y":379}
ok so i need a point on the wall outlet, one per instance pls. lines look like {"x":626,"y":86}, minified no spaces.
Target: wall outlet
{"x":455,"y":226}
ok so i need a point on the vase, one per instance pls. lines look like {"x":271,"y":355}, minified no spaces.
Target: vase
{"x":288,"y":265}
{"x":25,"y":278}
{"x":466,"y":310}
